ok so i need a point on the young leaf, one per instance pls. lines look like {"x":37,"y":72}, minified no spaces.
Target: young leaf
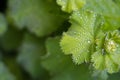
{"x":107,"y":56}
{"x":99,"y":60}
{"x":80,"y":36}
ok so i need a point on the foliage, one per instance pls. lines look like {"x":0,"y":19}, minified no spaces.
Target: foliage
{"x":60,"y":40}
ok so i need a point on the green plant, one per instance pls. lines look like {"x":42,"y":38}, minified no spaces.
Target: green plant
{"x":60,"y":40}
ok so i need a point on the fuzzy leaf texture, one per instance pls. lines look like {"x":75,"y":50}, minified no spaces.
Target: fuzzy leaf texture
{"x":79,"y":38}
{"x":93,"y":35}
{"x":71,"y":5}
{"x":38,"y":16}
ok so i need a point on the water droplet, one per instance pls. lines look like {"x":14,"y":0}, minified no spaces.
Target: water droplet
{"x":63,"y":7}
{"x":89,"y":41}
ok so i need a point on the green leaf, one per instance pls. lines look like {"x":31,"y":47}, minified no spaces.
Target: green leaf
{"x":106,"y":55}
{"x":108,"y":9}
{"x":111,"y":66}
{"x":99,"y":60}
{"x":38,"y":16}
{"x":30,"y":52}
{"x":80,"y":36}
{"x":74,"y":73}
{"x":54,"y":57}
{"x":3,"y":24}
{"x":61,"y":66}
{"x":86,"y":39}
{"x":5,"y":73}
{"x":71,"y":5}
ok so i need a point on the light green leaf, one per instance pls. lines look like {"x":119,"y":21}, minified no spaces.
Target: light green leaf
{"x":104,"y":62}
{"x":71,"y":5}
{"x":110,"y":65}
{"x":80,"y":37}
{"x":107,"y":8}
{"x":98,"y":60}
{"x":106,"y":55}
{"x":38,"y":16}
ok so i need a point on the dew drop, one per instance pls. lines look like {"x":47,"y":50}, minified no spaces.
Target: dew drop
{"x":89,"y":41}
{"x":63,"y":6}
